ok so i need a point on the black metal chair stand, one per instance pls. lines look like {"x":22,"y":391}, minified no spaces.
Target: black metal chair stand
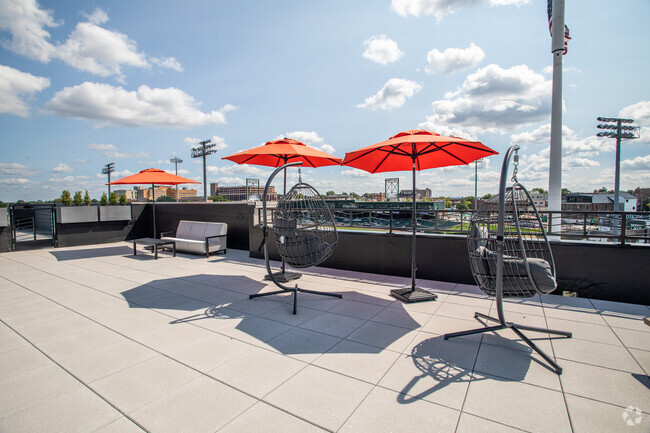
{"x":510,"y":255}
{"x":304,"y":232}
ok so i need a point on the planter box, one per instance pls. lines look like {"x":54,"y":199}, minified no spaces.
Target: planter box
{"x":114,"y":213}
{"x":76,"y":214}
{"x":4,"y":221}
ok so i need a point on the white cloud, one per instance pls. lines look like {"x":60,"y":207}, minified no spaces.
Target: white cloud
{"x":392,"y":95}
{"x":355,"y":173}
{"x":307,"y":137}
{"x":122,"y":155}
{"x":241,"y":169}
{"x":62,"y":180}
{"x":494,"y":99}
{"x":98,"y":147}
{"x":15,"y":182}
{"x":638,"y":163}
{"x":90,"y":47}
{"x":453,"y":59}
{"x":109,"y":105}
{"x":94,"y":49}
{"x":440,"y":8}
{"x":541,"y":135}
{"x":62,"y":168}
{"x":444,"y":129}
{"x":382,"y":50}
{"x":14,"y":168}
{"x":230,"y":181}
{"x":327,"y":148}
{"x":220,"y":143}
{"x":168,"y":62}
{"x":26,"y":22}
{"x":640,"y":112}
{"x":13,"y":85}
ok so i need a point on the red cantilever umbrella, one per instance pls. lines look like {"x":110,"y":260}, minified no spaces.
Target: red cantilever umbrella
{"x":416,"y":149}
{"x":277,"y":153}
{"x":152,"y":176}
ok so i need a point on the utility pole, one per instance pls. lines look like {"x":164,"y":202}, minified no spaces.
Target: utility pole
{"x":108,"y":169}
{"x":176,"y":161}
{"x":205,"y":148}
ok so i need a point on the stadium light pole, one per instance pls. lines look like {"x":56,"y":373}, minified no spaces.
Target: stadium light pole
{"x":108,"y":169}
{"x":619,"y":129}
{"x":205,"y":148}
{"x":176,"y":161}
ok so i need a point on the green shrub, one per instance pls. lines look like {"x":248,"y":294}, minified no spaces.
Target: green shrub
{"x":77,"y":200}
{"x":123,"y":199}
{"x":113,"y":199}
{"x":66,"y":198}
{"x":87,"y":199}
{"x":104,"y":200}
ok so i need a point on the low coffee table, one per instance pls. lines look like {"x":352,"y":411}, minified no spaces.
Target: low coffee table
{"x":154,"y":244}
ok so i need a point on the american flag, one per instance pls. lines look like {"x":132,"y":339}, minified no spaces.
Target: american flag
{"x":549,"y":11}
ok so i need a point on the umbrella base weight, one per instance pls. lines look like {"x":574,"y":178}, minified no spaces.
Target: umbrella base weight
{"x":284,"y":277}
{"x":410,"y":295}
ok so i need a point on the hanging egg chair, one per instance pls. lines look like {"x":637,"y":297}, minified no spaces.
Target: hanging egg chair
{"x":304,"y":232}
{"x":303,"y":227}
{"x":510,"y":255}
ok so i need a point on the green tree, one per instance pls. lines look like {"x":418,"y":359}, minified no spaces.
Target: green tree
{"x":330,"y":193}
{"x":77,"y":200}
{"x":3,"y":204}
{"x":566,"y":191}
{"x":540,"y":190}
{"x":219,"y":198}
{"x":112,"y":200}
{"x":66,"y":198}
{"x":123,"y":200}
{"x":165,"y":198}
{"x":487,"y":196}
{"x":104,"y":200}
{"x":87,"y":199}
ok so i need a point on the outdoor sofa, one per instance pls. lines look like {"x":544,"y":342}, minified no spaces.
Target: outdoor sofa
{"x":198,"y":237}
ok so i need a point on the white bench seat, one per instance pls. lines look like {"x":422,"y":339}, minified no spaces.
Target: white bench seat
{"x":198,"y":237}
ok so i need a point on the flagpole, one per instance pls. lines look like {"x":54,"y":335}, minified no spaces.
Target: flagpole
{"x":555,"y":163}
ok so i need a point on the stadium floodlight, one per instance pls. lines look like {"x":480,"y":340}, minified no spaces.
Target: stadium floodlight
{"x":619,"y":132}
{"x":176,"y":160}
{"x":108,"y":169}
{"x":205,"y":148}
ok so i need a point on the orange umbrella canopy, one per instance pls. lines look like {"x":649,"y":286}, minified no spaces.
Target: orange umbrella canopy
{"x":278,"y":152}
{"x":427,"y":149}
{"x":153,"y":176}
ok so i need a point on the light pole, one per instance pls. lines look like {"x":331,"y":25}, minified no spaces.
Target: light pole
{"x":476,"y":182}
{"x":618,"y":129}
{"x":176,"y":161}
{"x":108,"y":169}
{"x":205,"y":148}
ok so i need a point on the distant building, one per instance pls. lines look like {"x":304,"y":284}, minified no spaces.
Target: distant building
{"x":183,"y":193}
{"x":589,"y":202}
{"x":377,"y":196}
{"x":419,"y":193}
{"x":131,"y":194}
{"x":144,"y":194}
{"x":641,"y":195}
{"x":243,"y":193}
{"x":540,"y":200}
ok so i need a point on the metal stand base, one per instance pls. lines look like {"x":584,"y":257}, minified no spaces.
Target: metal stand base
{"x":413,"y":295}
{"x":283,"y":277}
{"x":295,"y":291}
{"x":517,"y":329}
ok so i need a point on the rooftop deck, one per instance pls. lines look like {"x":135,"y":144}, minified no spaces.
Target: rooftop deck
{"x":96,"y":339}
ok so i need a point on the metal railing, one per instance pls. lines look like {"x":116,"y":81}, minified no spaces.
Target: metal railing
{"x":600,"y":226}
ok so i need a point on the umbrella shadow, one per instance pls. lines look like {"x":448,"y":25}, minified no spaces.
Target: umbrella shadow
{"x":445,"y":362}
{"x":91,"y":253}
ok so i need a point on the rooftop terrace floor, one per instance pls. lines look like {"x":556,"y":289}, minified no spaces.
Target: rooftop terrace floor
{"x":96,"y":339}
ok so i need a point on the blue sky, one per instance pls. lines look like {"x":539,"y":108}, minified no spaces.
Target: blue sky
{"x":85,"y":83}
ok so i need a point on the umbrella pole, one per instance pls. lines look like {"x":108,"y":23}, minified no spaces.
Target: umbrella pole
{"x":153,"y":198}
{"x":413,"y":294}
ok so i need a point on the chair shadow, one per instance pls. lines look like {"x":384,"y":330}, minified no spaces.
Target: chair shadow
{"x":445,"y":362}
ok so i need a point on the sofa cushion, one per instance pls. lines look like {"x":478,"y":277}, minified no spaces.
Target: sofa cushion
{"x":183,"y":230}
